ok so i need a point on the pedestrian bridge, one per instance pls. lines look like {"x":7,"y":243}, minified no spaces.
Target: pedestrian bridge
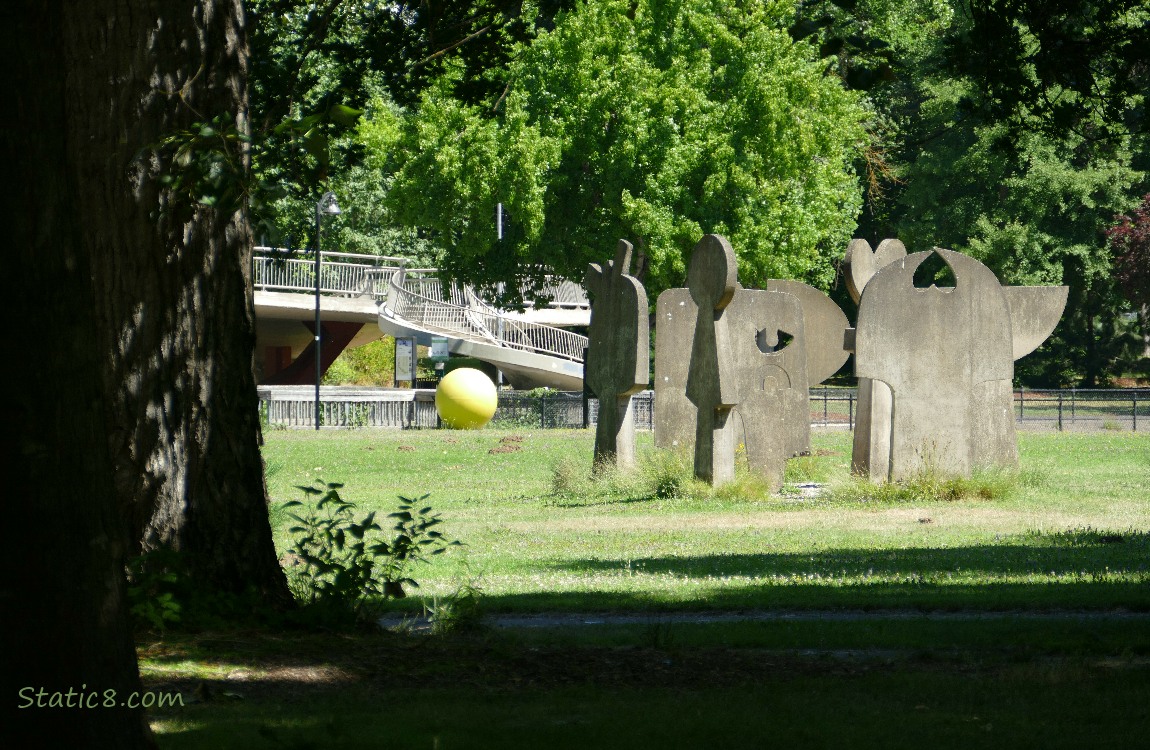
{"x":364,"y":297}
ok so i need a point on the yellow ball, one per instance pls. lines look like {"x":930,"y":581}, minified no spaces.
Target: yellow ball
{"x":466,"y":399}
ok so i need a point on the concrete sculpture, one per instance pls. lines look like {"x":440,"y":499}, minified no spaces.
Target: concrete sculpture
{"x":872,"y":416}
{"x":821,"y":344}
{"x":936,"y":365}
{"x":711,"y":386}
{"x":779,"y":339}
{"x":618,"y":354}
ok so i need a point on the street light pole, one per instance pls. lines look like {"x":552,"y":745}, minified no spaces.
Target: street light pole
{"x":327,"y":205}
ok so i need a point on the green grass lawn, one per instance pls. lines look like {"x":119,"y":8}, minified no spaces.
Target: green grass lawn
{"x":1070,"y":531}
{"x":1015,"y":621}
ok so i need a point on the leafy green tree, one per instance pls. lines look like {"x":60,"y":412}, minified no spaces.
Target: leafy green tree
{"x":1078,"y":65}
{"x":1012,"y":185}
{"x":1032,"y":203}
{"x":882,"y":48}
{"x":651,"y":121}
{"x":315,"y":68}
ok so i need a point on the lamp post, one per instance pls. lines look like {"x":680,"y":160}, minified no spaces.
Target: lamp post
{"x":327,"y":205}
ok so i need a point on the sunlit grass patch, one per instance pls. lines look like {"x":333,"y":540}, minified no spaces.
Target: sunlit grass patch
{"x":544,"y":530}
{"x":1005,"y":610}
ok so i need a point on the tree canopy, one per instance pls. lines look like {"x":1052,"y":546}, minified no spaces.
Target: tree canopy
{"x":315,"y":68}
{"x":653,"y":122}
{"x":1082,"y":65}
{"x":992,"y":167}
{"x":985,"y":143}
{"x":1013,"y":131}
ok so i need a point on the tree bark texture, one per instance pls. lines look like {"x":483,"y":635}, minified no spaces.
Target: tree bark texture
{"x":172,"y":279}
{"x":62,"y":596}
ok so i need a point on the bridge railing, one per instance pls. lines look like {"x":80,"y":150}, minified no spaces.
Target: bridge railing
{"x":420,"y":299}
{"x":358,"y":274}
{"x":562,"y":294}
{"x":347,"y":274}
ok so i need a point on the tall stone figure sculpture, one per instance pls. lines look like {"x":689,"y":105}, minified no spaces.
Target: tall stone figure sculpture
{"x":872,"y":418}
{"x":946,"y":358}
{"x":618,"y":354}
{"x":711,"y":386}
{"x":781,"y":339}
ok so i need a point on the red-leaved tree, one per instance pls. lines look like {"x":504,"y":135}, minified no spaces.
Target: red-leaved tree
{"x":1130,"y":241}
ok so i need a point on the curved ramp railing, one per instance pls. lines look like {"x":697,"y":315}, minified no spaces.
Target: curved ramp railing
{"x":419,"y":299}
{"x":417,"y":295}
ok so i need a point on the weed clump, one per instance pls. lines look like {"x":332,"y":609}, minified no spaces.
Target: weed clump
{"x":667,"y":474}
{"x":458,"y":613}
{"x":573,"y":482}
{"x":1089,"y":536}
{"x":929,"y":486}
{"x":658,"y":475}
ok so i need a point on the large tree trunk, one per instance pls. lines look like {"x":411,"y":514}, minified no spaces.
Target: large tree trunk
{"x":173,"y":280}
{"x":62,"y":592}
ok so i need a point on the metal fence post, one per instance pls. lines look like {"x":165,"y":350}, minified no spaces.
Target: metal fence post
{"x":1060,"y":411}
{"x":1073,"y":404}
{"x":850,"y":410}
{"x":1134,"y":410}
{"x":543,"y":411}
{"x":824,"y":407}
{"x":1021,"y":404}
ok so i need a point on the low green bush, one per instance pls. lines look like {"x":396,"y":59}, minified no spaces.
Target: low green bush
{"x":155,"y":580}
{"x":341,"y":569}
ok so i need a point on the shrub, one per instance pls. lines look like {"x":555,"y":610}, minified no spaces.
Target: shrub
{"x":163,"y":594}
{"x":342,"y":568}
{"x":155,"y":583}
{"x":370,"y":364}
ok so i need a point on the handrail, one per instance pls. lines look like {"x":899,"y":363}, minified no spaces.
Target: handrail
{"x":353,"y":274}
{"x":298,"y":275}
{"x":300,"y":252}
{"x":476,"y":320}
{"x":417,"y":296}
